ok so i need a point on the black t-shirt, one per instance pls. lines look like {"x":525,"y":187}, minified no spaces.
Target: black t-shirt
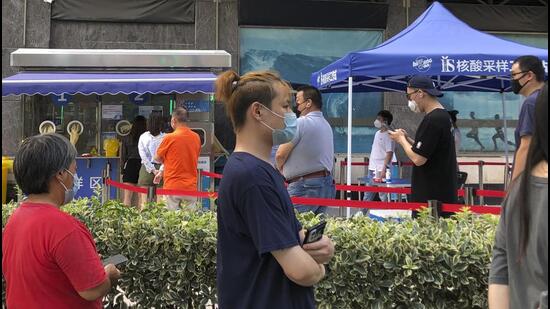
{"x":437,"y":178}
{"x":255,"y":217}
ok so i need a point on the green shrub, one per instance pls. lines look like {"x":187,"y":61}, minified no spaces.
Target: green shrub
{"x":413,"y":264}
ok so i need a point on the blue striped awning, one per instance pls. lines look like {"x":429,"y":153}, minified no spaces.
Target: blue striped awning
{"x":46,"y":83}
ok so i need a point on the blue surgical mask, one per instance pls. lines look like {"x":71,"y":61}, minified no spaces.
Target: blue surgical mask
{"x":285,"y":135}
{"x":70,"y":193}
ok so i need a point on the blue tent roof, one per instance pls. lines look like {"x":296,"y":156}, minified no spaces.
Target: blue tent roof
{"x":437,"y":44}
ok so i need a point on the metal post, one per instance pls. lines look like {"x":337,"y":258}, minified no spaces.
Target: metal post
{"x":481,"y":184}
{"x":108,"y":169}
{"x":199,"y":180}
{"x":505,"y":132}
{"x":469,"y":196}
{"x":151,"y":194}
{"x":435,"y":208}
{"x":350,"y":113}
{"x":507,"y":175}
{"x":342,"y":193}
{"x":212,"y":184}
{"x":104,"y":188}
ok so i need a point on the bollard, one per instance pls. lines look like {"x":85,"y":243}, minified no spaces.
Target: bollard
{"x":107,"y":192}
{"x":151,"y":194}
{"x":366,"y":166}
{"x":435,"y":207}
{"x":481,"y":185}
{"x":104,"y":188}
{"x":400,"y":169}
{"x":212,"y":184}
{"x":469,"y":196}
{"x":507,"y":175}
{"x":342,"y":193}
{"x":199,"y":180}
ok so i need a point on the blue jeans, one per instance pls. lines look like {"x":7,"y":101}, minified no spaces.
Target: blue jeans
{"x":319,"y":187}
{"x":369,"y":196}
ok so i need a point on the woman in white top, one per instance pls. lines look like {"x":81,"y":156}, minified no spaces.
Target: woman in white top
{"x":148,"y":144}
{"x":456,"y":131}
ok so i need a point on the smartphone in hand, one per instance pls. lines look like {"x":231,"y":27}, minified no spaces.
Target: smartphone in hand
{"x":315,"y":233}
{"x":388,"y":127}
{"x":116,"y":260}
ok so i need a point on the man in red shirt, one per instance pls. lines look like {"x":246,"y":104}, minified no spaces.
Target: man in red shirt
{"x":49,"y":259}
{"x":179,"y":153}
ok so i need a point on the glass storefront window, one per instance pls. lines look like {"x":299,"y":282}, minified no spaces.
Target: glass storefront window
{"x":49,"y":108}
{"x":99,"y":115}
{"x":283,"y":50}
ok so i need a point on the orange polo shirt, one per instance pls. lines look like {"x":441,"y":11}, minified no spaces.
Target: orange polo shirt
{"x":179,"y":152}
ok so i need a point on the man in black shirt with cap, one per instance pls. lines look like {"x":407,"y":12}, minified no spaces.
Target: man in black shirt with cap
{"x":432,"y":151}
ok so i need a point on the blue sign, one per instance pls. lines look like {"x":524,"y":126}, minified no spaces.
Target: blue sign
{"x":90,"y":174}
{"x":139,"y":98}
{"x":200,"y":106}
{"x":62,"y":99}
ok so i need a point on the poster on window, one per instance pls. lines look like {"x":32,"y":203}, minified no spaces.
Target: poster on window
{"x":146,"y":111}
{"x":111,"y":112}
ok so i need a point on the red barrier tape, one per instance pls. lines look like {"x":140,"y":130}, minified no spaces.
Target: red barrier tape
{"x":392,"y":206}
{"x":322,"y":201}
{"x":125,"y":186}
{"x":344,"y":163}
{"x":491,"y":193}
{"x":211,"y":175}
{"x":407,"y":190}
{"x":496,"y":163}
{"x":356,"y":204}
{"x":187,"y":193}
{"x":373,"y":189}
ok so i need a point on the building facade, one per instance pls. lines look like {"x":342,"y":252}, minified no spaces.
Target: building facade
{"x":294,"y":37}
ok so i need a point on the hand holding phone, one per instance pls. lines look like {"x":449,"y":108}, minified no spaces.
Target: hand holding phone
{"x":387,"y":127}
{"x":115,"y":260}
{"x":315,"y":233}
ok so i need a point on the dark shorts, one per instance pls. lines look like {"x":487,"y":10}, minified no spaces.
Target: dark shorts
{"x":130,"y":170}
{"x":145,"y":178}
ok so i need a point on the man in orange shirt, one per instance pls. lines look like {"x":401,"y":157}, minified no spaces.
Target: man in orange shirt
{"x":179,"y":153}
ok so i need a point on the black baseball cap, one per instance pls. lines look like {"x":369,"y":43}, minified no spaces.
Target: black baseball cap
{"x":424,"y":83}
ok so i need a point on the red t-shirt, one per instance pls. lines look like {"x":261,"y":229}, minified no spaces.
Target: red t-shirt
{"x":47,"y":256}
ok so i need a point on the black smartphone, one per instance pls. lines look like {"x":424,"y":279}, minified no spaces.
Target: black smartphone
{"x":388,"y":127}
{"x":115,"y":260}
{"x":315,"y":233}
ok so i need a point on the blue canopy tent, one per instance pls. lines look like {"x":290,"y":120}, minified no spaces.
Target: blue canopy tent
{"x":437,"y":44}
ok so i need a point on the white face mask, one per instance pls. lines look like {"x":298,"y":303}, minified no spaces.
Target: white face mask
{"x":413,"y":106}
{"x":377,"y":124}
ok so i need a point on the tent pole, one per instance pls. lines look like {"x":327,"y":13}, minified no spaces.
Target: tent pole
{"x":506,"y":154}
{"x":348,"y":167}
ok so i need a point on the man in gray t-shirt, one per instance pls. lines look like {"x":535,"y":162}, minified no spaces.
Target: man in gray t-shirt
{"x":527,"y":75}
{"x":307,"y":161}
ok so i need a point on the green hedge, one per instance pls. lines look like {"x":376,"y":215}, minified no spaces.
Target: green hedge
{"x":413,"y":264}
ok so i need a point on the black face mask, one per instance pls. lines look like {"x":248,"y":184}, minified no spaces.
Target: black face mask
{"x":296,"y":111}
{"x":516,"y":86}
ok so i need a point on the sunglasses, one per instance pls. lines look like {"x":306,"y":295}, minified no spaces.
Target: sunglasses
{"x":517,"y":73}
{"x":408,"y":95}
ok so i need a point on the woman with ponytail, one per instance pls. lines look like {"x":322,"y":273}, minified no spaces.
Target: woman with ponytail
{"x":260,"y":262}
{"x":519,"y":271}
